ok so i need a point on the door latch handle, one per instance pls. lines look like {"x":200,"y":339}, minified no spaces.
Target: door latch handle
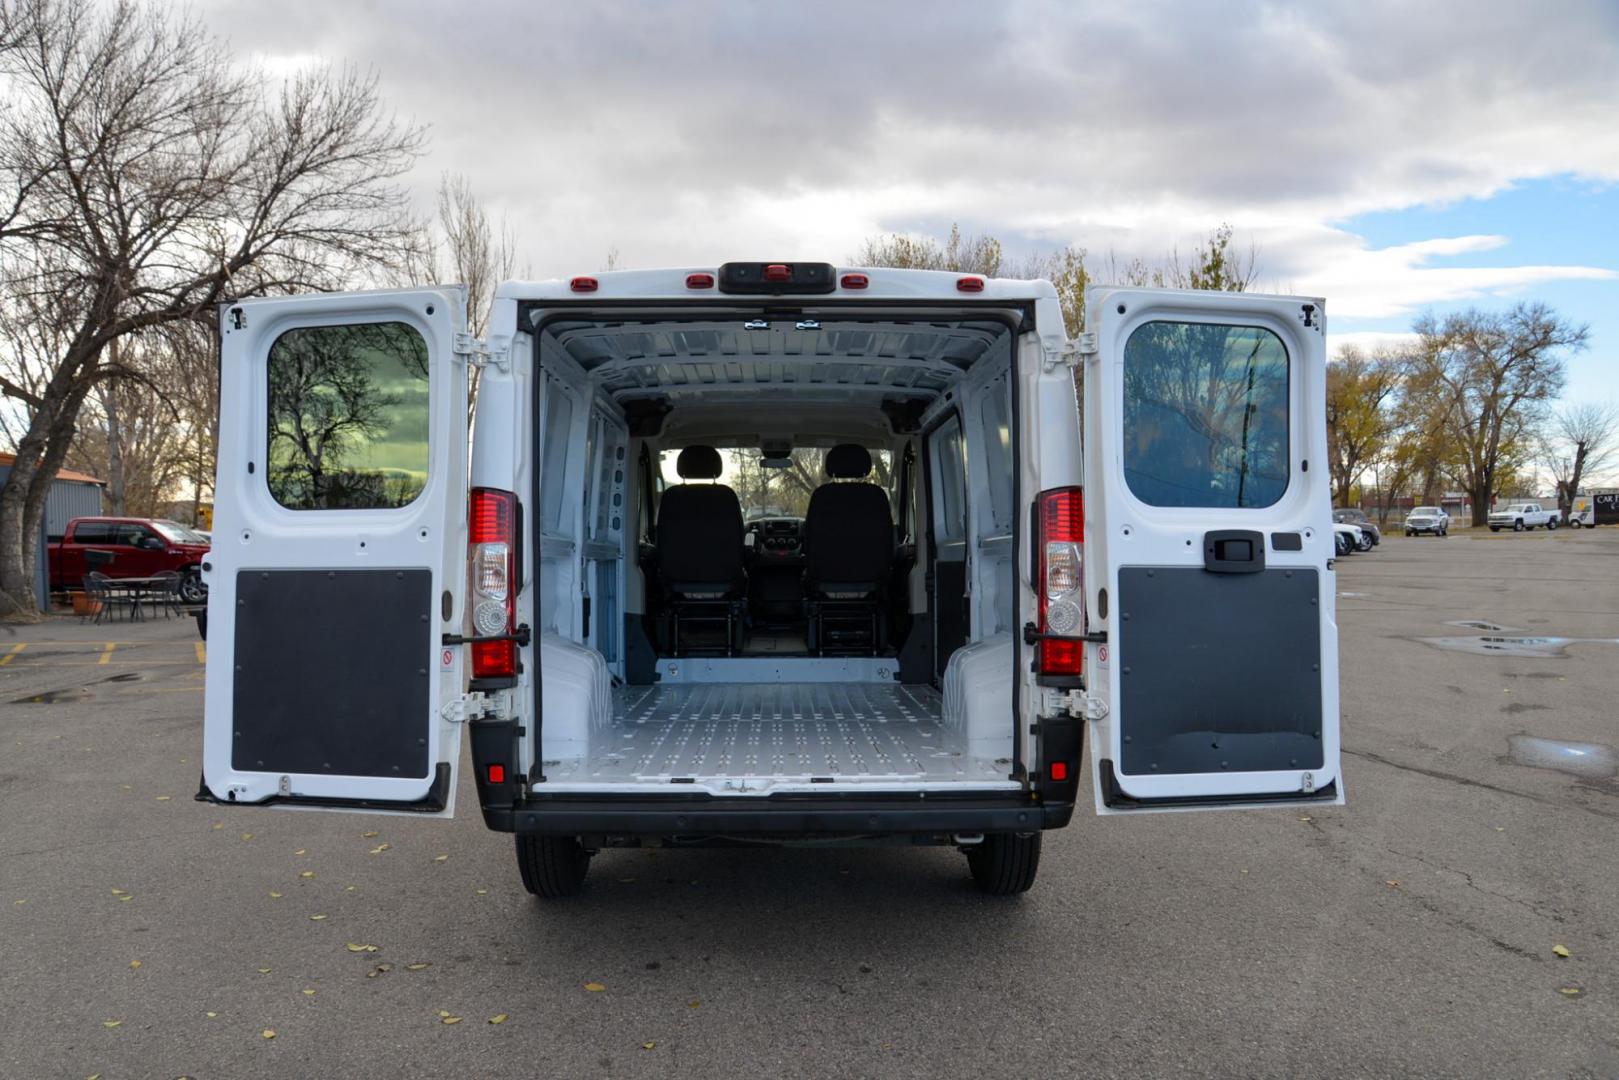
{"x":521,"y":635}
{"x":1033,"y":634}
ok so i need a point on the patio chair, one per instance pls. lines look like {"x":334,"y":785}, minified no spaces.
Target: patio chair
{"x":164,"y":591}
{"x":101,"y":587}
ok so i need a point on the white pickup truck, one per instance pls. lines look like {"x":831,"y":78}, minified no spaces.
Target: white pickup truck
{"x":1521,"y":516}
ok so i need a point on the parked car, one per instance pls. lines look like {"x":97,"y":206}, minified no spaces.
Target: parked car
{"x":1427,"y":519}
{"x":128,"y":548}
{"x":1348,"y":539}
{"x":1358,"y":518}
{"x":1521,"y":516}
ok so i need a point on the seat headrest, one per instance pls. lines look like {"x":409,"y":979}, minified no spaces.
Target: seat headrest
{"x":699,"y":463}
{"x":848,"y":461}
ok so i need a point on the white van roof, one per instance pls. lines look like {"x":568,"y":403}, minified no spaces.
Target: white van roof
{"x":672,"y":283}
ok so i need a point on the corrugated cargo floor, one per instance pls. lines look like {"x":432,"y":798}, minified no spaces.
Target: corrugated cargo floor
{"x":781,"y":731}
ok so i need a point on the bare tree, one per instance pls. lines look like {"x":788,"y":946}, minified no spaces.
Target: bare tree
{"x":1583,"y":441}
{"x":467,"y":248}
{"x":1214,"y":266}
{"x":146,"y":179}
{"x":1485,"y":379}
{"x":1360,"y":388}
{"x":958,"y":254}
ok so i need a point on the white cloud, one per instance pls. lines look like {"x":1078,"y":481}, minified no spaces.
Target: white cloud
{"x":702,"y":131}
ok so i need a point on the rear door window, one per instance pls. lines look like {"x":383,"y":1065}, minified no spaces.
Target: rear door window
{"x":1205,"y":415}
{"x":348,"y":416}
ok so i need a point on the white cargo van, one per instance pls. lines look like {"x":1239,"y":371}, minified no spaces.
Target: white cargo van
{"x":773,"y":553}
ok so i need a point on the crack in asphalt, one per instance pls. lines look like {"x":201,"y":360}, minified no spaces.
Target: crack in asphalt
{"x":1468,"y":781}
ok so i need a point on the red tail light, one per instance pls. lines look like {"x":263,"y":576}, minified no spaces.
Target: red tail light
{"x":855,"y":281}
{"x":583,"y":284}
{"x":970,"y":284}
{"x":492,"y":570}
{"x":1061,"y":578}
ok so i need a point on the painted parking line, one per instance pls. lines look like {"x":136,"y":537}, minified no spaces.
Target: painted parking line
{"x":12,"y":655}
{"x":106,"y":652}
{"x":202,"y":652}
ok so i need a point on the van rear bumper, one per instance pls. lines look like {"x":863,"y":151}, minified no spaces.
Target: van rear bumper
{"x":782,"y":817}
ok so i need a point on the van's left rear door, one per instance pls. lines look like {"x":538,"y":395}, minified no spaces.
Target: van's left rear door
{"x":338,"y":553}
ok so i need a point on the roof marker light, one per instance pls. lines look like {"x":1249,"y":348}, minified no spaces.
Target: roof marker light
{"x":778,"y":272}
{"x":583,"y":284}
{"x":699,"y":281}
{"x":855,"y":281}
{"x":970,"y":284}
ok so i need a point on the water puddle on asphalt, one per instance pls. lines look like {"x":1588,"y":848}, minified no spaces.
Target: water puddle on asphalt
{"x":1494,"y":645}
{"x":51,"y":697}
{"x":1596,"y":760}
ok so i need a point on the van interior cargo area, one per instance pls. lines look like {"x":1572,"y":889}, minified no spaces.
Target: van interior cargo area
{"x":776,"y":552}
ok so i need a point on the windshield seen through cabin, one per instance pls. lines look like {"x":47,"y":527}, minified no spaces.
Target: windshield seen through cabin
{"x":776,"y":492}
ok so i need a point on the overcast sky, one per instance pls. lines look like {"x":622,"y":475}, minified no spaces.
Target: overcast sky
{"x":1392,"y":157}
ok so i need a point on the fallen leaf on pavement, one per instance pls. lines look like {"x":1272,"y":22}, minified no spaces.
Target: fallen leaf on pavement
{"x":126,"y":896}
{"x":441,"y":858}
{"x":499,"y":1018}
{"x":264,"y":971}
{"x":164,"y":798}
{"x":352,"y":947}
{"x":309,"y":993}
{"x":247,"y":836}
{"x":210,"y":1015}
{"x":134,"y":964}
{"x":648,"y":1046}
{"x":450,"y":1020}
{"x":316,"y":918}
{"x":380,"y":848}
{"x":369,"y":835}
{"x":269,"y":1033}
{"x":1391,"y":883}
{"x":1561,"y":950}
{"x":380,"y":969}
{"x":307,"y":874}
{"x":274,"y":895}
{"x":218,"y":825}
{"x":300,"y":851}
{"x":480,"y":892}
{"x":595,"y":988}
{"x":1570,"y":991}
{"x":693,"y":1004}
{"x":118,"y":892}
{"x":111,"y":1023}
{"x":419,"y":965}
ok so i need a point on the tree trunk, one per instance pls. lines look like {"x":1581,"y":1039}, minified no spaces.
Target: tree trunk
{"x":115,"y":450}
{"x":1480,"y":493}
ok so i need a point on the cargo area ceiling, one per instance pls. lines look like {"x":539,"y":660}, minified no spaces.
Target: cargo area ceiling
{"x":831,"y":360}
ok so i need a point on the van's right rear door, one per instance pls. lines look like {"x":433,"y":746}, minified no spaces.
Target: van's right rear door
{"x":1208,"y":547}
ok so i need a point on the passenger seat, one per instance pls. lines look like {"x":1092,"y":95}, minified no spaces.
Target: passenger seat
{"x":700,"y":549}
{"x":848,"y":554}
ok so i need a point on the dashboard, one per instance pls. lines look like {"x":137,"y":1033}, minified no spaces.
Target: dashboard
{"x":777,"y":539}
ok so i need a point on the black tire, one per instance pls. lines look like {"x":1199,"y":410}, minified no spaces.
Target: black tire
{"x":1517,"y":526}
{"x":1495,"y":528}
{"x":192,"y":589}
{"x":1551,"y":526}
{"x":1574,"y":523}
{"x":1364,"y":543}
{"x":1004,"y":864}
{"x":1410,"y":532}
{"x":552,"y":866}
{"x":1445,"y":531}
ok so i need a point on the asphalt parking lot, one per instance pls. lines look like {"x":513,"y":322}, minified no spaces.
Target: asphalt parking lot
{"x":1411,"y":932}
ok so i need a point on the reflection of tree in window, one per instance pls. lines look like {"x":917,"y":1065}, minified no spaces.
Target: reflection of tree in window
{"x":1205,"y":415}
{"x":348,"y":416}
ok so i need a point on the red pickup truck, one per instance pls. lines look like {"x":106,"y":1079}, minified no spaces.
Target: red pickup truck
{"x":129,"y":547}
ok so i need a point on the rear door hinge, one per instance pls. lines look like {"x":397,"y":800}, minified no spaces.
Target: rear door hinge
{"x":1074,"y":703}
{"x":479,"y":354}
{"x":470,"y":706}
{"x":1070,"y":352}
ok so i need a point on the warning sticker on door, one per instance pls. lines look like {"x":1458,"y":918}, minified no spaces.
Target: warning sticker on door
{"x":446,"y":659}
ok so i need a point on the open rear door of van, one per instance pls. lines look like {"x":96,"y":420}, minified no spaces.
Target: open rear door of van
{"x":1208,"y":552}
{"x":339,"y":547}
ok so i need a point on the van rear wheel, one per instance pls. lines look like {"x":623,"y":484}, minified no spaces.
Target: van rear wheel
{"x":552,"y":866}
{"x":1004,"y":864}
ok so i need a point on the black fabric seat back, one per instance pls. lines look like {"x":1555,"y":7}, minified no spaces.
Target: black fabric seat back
{"x":848,"y":529}
{"x":700,"y":529}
